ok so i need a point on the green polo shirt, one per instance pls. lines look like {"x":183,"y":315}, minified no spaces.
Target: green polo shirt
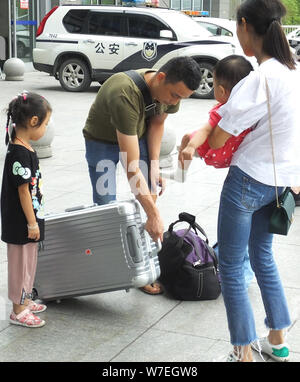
{"x":119,"y":105}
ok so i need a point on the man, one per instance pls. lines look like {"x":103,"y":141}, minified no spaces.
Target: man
{"x":116,"y":125}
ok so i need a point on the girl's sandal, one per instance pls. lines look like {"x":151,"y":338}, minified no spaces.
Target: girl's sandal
{"x":27,"y":319}
{"x":36,"y":308}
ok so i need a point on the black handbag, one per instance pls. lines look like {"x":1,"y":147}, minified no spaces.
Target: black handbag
{"x":283,"y":213}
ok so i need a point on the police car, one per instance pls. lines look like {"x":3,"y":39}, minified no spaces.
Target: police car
{"x":81,"y":44}
{"x":294,"y":41}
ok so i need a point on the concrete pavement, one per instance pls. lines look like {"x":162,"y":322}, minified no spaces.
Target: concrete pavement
{"x":120,"y":326}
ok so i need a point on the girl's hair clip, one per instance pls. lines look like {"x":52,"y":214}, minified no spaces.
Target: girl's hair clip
{"x":24,"y":94}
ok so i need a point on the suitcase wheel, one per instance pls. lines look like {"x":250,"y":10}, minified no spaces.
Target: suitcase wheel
{"x":34,"y":294}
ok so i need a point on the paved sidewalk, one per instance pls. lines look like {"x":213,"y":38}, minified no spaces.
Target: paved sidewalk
{"x":120,"y":326}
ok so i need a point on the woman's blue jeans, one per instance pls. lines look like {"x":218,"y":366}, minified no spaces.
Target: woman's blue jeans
{"x":245,"y":209}
{"x":102,"y":159}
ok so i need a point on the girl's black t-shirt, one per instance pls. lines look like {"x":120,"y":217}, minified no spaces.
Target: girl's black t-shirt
{"x":21,"y":166}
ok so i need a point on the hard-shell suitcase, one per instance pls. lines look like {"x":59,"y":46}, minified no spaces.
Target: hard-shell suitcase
{"x":95,"y":249}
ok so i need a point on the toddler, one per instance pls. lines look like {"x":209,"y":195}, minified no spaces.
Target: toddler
{"x":227,"y":73}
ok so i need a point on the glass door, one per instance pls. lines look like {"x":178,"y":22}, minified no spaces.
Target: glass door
{"x":23,"y":28}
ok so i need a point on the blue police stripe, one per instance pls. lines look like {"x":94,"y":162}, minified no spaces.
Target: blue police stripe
{"x":25,"y":22}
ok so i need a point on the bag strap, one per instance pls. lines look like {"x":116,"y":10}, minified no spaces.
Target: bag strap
{"x":272,"y":143}
{"x":144,"y":89}
{"x":191,"y":220}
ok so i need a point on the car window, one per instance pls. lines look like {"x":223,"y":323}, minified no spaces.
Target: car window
{"x":216,"y":30}
{"x":105,"y":24}
{"x":145,"y":27}
{"x":210,"y":27}
{"x":74,"y":20}
{"x":226,"y":32}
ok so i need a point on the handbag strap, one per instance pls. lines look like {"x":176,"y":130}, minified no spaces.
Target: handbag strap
{"x":272,"y":141}
{"x":150,"y":105}
{"x":190,"y":219}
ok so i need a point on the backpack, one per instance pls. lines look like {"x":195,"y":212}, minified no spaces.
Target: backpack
{"x":189,"y":266}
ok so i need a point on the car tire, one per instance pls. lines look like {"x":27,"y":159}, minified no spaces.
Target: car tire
{"x":206,"y":88}
{"x":74,"y":75}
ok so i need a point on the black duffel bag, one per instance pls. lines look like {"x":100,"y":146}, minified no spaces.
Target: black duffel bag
{"x":189,"y":266}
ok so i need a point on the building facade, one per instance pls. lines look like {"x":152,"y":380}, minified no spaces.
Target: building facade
{"x":19,"y":19}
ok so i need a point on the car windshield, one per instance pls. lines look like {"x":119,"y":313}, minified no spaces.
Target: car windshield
{"x":186,"y":26}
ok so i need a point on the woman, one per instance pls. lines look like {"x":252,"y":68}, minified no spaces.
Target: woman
{"x":248,"y":191}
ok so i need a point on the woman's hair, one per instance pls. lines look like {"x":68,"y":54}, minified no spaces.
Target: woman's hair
{"x":265,"y":18}
{"x":22,"y":108}
{"x":184,"y":69}
{"x":231,"y":70}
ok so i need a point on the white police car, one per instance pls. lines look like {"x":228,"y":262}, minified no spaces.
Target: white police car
{"x":80,"y":44}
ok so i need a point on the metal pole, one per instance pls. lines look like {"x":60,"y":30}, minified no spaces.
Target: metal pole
{"x":37,"y":12}
{"x":9,"y":29}
{"x":15,"y":29}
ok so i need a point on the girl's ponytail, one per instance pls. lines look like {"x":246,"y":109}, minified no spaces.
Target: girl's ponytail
{"x":7,"y":128}
{"x":276,"y":45}
{"x":10,"y":135}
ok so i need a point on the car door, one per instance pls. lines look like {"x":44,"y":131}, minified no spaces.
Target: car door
{"x":103,"y":42}
{"x":142,"y":46}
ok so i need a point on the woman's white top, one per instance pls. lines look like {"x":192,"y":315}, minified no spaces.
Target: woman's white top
{"x":247,"y":106}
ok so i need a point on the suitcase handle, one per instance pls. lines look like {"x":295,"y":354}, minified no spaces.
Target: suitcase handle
{"x":78,"y":208}
{"x":134,"y":244}
{"x":158,"y":245}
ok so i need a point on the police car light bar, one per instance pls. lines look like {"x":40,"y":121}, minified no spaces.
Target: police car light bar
{"x":196,"y":13}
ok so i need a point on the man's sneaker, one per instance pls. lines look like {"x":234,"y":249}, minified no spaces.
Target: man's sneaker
{"x":278,"y":352}
{"x":26,"y":318}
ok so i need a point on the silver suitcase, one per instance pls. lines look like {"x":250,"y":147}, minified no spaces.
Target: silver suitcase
{"x":95,"y":249}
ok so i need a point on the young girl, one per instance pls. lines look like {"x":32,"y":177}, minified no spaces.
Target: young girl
{"x":227,"y":73}
{"x":22,"y":204}
{"x":248,"y":194}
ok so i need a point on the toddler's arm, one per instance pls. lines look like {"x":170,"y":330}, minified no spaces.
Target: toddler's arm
{"x":26,"y":203}
{"x":186,"y":153}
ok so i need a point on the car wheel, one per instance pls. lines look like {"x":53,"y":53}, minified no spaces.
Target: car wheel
{"x":206,"y":88}
{"x":74,"y":75}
